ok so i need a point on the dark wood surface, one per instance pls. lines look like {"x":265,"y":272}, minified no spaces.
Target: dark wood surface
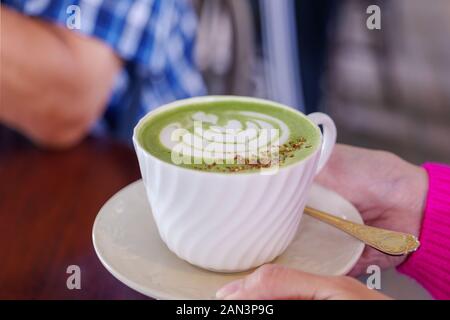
{"x":48,"y":203}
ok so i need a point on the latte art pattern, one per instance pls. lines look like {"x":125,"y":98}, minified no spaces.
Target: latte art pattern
{"x":222,"y":138}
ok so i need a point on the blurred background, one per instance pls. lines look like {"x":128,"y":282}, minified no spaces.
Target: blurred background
{"x":387,"y":89}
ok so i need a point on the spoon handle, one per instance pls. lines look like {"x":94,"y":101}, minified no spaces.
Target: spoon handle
{"x":387,"y":241}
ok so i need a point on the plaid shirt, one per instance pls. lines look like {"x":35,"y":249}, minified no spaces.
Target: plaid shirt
{"x":155,"y":39}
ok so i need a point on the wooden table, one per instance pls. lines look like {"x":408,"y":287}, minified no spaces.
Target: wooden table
{"x":48,"y":203}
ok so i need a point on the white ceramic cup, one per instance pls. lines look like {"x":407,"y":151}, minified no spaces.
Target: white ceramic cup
{"x":230,"y":222}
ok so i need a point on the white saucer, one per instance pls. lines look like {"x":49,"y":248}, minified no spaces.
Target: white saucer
{"x":128,"y":245}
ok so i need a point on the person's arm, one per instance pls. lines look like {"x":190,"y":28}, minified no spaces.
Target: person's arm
{"x":430,"y":264}
{"x":54,"y":83}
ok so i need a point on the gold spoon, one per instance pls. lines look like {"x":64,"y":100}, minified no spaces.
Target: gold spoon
{"x":387,"y":241}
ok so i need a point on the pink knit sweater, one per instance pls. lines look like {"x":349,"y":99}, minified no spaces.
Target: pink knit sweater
{"x":430,"y":264}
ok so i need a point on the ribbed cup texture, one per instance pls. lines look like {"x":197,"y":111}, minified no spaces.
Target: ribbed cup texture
{"x":430,"y":264}
{"x":226,"y":222}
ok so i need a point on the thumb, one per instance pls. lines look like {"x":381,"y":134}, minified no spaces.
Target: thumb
{"x":278,"y":282}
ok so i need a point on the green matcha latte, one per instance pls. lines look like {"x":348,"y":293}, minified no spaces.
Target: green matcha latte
{"x":228,"y":135}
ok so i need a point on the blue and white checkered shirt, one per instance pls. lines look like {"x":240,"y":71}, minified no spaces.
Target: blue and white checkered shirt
{"x":155,"y":39}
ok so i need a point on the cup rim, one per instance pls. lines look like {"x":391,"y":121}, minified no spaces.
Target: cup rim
{"x":215,"y":98}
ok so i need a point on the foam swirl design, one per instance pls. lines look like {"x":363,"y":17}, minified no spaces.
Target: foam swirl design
{"x":205,"y":224}
{"x":211,"y":137}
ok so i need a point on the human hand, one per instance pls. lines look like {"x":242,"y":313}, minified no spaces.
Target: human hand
{"x":271,"y":282}
{"x":388,"y":192}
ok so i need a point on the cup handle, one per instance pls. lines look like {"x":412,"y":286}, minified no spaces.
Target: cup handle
{"x":328,"y":136}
